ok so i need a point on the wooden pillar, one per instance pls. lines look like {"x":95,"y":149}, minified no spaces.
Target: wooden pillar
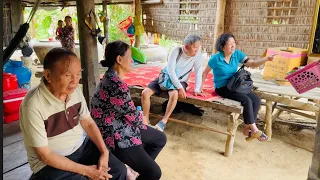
{"x":269,"y":119}
{"x":16,"y":15}
{"x":105,"y":22}
{"x":314,"y":171}
{"x":233,"y":124}
{"x":88,"y":50}
{"x":219,"y":23}
{"x":138,"y":14}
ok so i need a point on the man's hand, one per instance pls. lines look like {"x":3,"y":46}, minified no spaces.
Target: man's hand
{"x":182,"y":93}
{"x":93,"y":173}
{"x":104,"y":162}
{"x":200,"y":94}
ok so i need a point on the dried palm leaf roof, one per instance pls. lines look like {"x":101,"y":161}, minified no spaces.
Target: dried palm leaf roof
{"x":65,"y":3}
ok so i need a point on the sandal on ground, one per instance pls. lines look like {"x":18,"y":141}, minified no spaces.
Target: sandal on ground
{"x":257,"y":135}
{"x":160,"y":126}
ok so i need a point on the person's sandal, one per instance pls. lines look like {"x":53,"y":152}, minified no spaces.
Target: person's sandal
{"x":257,"y":135}
{"x":160,"y":126}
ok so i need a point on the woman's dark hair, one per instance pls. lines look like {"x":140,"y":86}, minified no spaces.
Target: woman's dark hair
{"x":222,"y":40}
{"x":113,"y":50}
{"x":55,"y":55}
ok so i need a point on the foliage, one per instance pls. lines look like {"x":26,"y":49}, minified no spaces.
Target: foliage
{"x":168,"y":43}
{"x":117,"y":13}
{"x":45,"y":21}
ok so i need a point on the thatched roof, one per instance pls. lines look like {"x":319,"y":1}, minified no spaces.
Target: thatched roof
{"x":65,"y":3}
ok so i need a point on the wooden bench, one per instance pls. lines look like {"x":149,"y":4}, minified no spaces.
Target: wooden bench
{"x":232,"y":108}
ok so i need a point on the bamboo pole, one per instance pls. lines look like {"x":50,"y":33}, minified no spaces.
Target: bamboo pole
{"x":269,"y":119}
{"x":88,"y":50}
{"x":233,"y":124}
{"x":314,"y":171}
{"x":192,"y":124}
{"x":219,"y":23}
{"x":105,"y":22}
{"x":138,"y":14}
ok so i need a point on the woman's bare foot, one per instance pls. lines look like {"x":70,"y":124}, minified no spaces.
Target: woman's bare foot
{"x":246,"y":131}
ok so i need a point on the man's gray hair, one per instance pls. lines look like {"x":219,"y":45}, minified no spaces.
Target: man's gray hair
{"x":191,"y":39}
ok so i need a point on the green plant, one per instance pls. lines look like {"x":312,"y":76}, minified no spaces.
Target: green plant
{"x":168,"y":43}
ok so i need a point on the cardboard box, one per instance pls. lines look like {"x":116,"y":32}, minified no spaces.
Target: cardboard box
{"x":286,"y":59}
{"x":312,"y":58}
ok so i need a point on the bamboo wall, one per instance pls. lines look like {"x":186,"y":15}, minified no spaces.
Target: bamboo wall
{"x":7,"y":32}
{"x":251,"y":21}
{"x":177,"y":18}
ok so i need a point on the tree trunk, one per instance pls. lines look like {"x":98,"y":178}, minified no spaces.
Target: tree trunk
{"x":88,"y":50}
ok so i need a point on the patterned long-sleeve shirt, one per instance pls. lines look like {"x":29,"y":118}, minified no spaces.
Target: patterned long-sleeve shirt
{"x":67,"y":38}
{"x":115,"y":113}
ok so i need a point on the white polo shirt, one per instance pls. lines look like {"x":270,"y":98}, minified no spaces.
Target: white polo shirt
{"x":47,"y":121}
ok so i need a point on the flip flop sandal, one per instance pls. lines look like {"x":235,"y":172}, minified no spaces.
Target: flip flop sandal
{"x":253,"y":136}
{"x":263,"y":138}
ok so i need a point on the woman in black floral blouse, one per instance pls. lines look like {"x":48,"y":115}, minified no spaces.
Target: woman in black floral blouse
{"x":120,"y":123}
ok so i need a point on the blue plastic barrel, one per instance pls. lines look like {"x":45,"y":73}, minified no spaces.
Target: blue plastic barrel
{"x":22,"y":72}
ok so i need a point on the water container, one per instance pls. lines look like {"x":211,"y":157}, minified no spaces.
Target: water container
{"x":11,"y":104}
{"x":22,"y":72}
{"x":10,"y":81}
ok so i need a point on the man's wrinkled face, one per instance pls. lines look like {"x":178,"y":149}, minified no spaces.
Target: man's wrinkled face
{"x":193,"y":49}
{"x":65,"y":76}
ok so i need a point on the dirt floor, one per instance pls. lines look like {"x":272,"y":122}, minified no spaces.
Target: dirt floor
{"x":194,"y":154}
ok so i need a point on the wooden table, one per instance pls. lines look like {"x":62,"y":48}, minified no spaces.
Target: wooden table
{"x":285,"y":98}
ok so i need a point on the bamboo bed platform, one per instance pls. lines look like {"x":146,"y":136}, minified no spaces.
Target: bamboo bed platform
{"x":232,"y":108}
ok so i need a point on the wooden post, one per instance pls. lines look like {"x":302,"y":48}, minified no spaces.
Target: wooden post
{"x":138,"y":14}
{"x":88,"y":50}
{"x":105,"y":22}
{"x":314,"y":171}
{"x":269,"y":119}
{"x":233,"y":124}
{"x":16,"y":15}
{"x":219,"y":23}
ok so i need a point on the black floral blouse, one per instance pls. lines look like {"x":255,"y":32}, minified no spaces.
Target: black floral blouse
{"x":115,"y":113}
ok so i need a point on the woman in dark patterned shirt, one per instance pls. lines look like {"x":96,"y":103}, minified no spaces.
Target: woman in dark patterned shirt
{"x":120,"y":123}
{"x":67,"y":36}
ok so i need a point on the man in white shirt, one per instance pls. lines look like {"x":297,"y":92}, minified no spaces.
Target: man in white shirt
{"x":61,"y":139}
{"x":181,"y":61}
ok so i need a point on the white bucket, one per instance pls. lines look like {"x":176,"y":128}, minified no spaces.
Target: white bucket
{"x":27,"y":61}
